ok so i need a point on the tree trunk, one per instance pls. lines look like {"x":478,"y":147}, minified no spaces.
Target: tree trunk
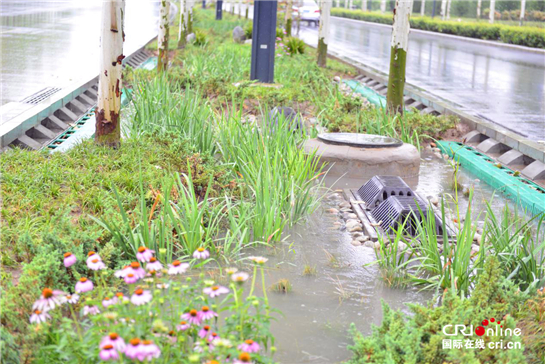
{"x":492,"y":11}
{"x":189,"y":14}
{"x":479,"y":4}
{"x":398,"y":55}
{"x":423,"y":8}
{"x":182,"y":30}
{"x":351,"y":4}
{"x":443,"y":9}
{"x":364,"y":5}
{"x":239,"y":9}
{"x":522,"y":10}
{"x":162,"y":39}
{"x":289,"y":11}
{"x":107,"y":127}
{"x":338,"y":3}
{"x":449,"y":2}
{"x":323,"y":32}
{"x":382,"y":6}
{"x":247,"y":6}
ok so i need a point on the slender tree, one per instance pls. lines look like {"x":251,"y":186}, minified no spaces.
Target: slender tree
{"x":492,"y":11}
{"x":182,"y":28}
{"x":522,"y":10}
{"x":247,"y":6}
{"x":423,"y":7}
{"x":350,"y":4}
{"x":443,"y":9}
{"x":346,"y":4}
{"x":189,"y":15}
{"x":479,"y":5}
{"x":338,"y":3}
{"x":398,"y":55}
{"x":239,"y":9}
{"x":162,"y":38}
{"x":288,"y":18}
{"x":107,"y":127}
{"x":364,"y":5}
{"x":449,"y":2}
{"x":323,"y":32}
{"x":382,"y":6}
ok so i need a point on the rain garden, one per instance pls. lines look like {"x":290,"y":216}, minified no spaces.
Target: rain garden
{"x":173,"y":246}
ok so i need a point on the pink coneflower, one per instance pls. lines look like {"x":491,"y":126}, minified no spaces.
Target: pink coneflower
{"x":201,"y":253}
{"x":92,"y":256}
{"x":249,"y":346}
{"x":172,"y":336}
{"x":192,"y":317}
{"x":144,"y":254}
{"x":130,"y":278}
{"x":206,"y":313}
{"x":48,"y":300}
{"x":90,"y":310}
{"x":140,"y":297}
{"x":177,"y":267}
{"x":39,"y":316}
{"x":84,"y":285}
{"x":108,"y":352}
{"x":240,"y":277}
{"x":71,"y":298}
{"x":122,"y":272}
{"x":131,"y":273}
{"x":243,"y":358}
{"x":95,"y":264}
{"x":154,"y":264}
{"x":182,"y":326}
{"x":213,"y":336}
{"x":258,"y":260}
{"x":120,"y":298}
{"x":115,"y":340}
{"x":204,"y":332}
{"x":215,"y":291}
{"x":151,"y":351}
{"x":107,"y":301}
{"x":134,"y":350}
{"x":69,"y":259}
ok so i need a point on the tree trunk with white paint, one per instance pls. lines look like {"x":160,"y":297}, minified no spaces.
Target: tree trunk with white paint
{"x":338,"y":3}
{"x":351,"y":4}
{"x":492,"y":11}
{"x":382,"y":6}
{"x":189,"y":13}
{"x":479,"y":5}
{"x":522,"y":10}
{"x":323,"y":32}
{"x":162,"y":38}
{"x":443,"y":9}
{"x":398,"y":55}
{"x":346,"y":4}
{"x":364,"y":5}
{"x":423,"y":7}
{"x":112,"y":36}
{"x":182,"y":29}
{"x":449,"y":2}
{"x":239,"y":9}
{"x":289,"y":11}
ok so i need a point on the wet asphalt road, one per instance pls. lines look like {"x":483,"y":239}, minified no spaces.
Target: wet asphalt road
{"x":502,"y":85}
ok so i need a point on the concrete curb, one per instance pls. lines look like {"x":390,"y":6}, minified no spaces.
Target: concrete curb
{"x":456,"y":37}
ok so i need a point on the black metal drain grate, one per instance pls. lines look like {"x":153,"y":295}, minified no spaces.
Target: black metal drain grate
{"x":390,"y":214}
{"x":40,"y":95}
{"x":379,"y":188}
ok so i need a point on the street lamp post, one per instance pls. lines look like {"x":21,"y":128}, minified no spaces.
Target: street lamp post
{"x":263,"y":41}
{"x":219,"y":5}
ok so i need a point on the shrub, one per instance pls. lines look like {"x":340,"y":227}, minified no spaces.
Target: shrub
{"x":527,"y":36}
{"x":419,"y":338}
{"x":200,"y":38}
{"x":249,"y":27}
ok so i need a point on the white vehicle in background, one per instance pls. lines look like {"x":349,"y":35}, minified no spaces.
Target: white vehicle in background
{"x":308,"y":10}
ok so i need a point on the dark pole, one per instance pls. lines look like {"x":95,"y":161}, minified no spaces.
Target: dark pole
{"x":263,"y":41}
{"x":204,"y":4}
{"x":219,"y":5}
{"x":433,"y":11}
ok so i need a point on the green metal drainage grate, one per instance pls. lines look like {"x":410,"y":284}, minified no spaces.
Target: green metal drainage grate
{"x":521,"y":190}
{"x":371,"y":95}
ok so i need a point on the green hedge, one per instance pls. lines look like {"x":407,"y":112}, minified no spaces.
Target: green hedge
{"x":527,"y":36}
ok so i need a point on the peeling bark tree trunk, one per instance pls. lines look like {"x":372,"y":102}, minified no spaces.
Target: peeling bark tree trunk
{"x":398,"y":56}
{"x":522,"y":10}
{"x":364,"y":5}
{"x":289,"y":11}
{"x":382,"y":6}
{"x":479,"y":4}
{"x":108,"y":131}
{"x":423,"y":8}
{"x":323,"y":32}
{"x":182,"y":30}
{"x":492,"y":11}
{"x":443,"y":9}
{"x":162,"y":39}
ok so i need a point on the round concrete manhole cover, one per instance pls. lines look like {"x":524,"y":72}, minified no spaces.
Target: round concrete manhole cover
{"x":360,"y":140}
